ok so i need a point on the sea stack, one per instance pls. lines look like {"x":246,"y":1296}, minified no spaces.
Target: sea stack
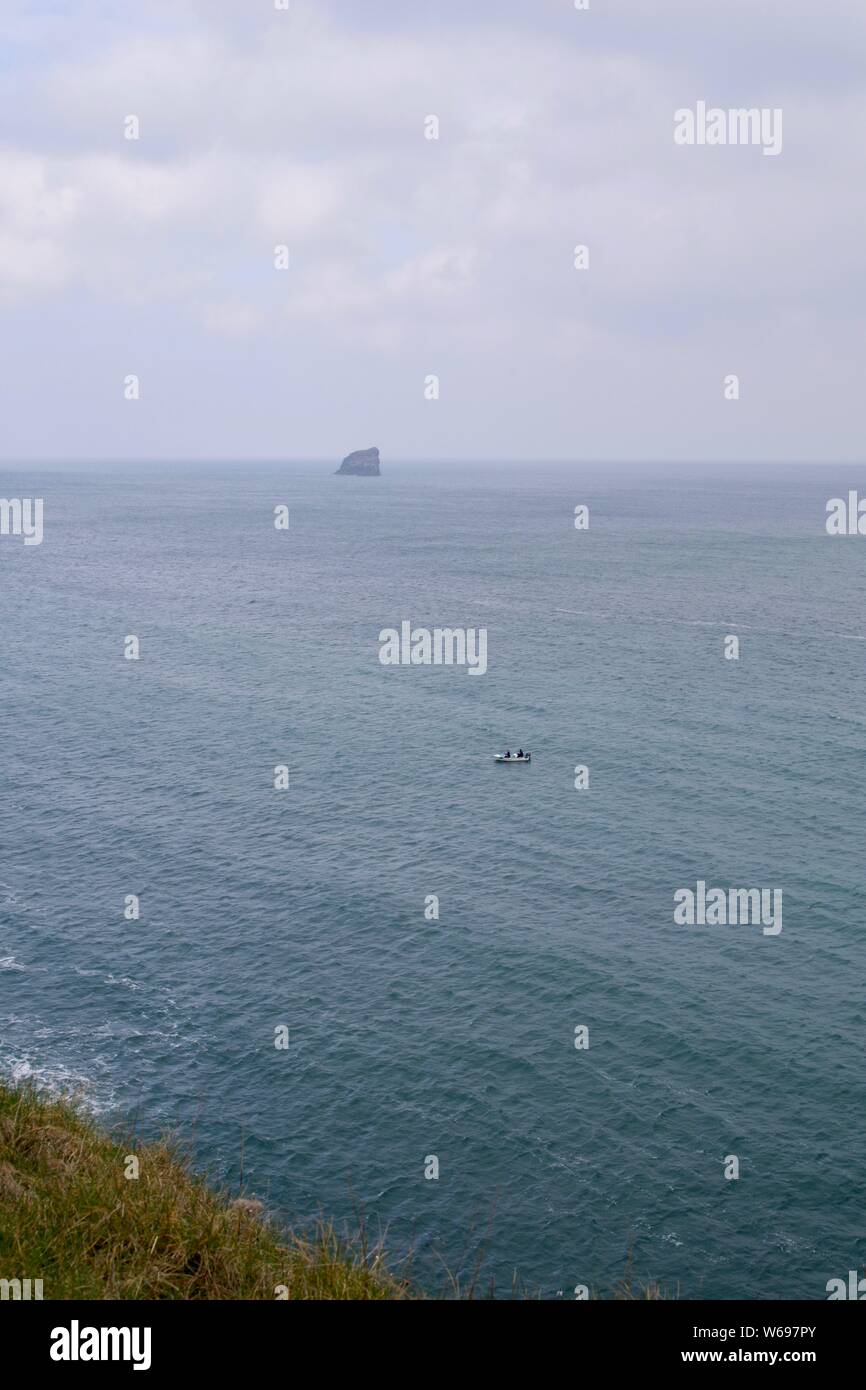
{"x":364,"y":463}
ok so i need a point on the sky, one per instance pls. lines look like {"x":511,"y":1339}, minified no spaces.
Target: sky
{"x":411,"y":258}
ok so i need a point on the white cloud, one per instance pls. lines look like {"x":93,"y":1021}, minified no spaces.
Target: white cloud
{"x":256,"y":132}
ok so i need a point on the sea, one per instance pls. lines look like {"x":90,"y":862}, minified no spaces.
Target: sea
{"x":414,"y":991}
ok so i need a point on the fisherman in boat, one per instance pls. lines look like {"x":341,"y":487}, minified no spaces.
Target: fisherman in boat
{"x":508,"y":753}
{"x":520,"y":752}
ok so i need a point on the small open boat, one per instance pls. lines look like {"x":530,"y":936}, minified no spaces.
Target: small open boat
{"x":501,"y":758}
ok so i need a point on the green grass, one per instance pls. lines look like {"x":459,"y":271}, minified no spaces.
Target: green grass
{"x":71,"y":1217}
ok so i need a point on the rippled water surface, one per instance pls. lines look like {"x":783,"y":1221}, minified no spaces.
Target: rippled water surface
{"x":411,"y":1038}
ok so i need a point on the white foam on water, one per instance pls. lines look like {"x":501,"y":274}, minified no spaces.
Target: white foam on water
{"x":56,"y":1081}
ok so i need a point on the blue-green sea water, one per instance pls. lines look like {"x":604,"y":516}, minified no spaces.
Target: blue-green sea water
{"x":410,"y":1038}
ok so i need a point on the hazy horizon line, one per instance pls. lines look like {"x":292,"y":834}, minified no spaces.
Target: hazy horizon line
{"x":398,"y":461}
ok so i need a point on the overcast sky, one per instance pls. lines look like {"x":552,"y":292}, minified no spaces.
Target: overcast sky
{"x":411,"y":257}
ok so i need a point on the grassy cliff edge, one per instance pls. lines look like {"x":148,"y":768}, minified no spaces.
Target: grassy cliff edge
{"x":73,"y":1215}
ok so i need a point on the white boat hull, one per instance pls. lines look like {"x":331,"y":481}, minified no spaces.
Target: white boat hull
{"x":501,"y":758}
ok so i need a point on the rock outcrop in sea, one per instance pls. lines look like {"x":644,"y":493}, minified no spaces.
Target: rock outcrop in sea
{"x":364,"y":463}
